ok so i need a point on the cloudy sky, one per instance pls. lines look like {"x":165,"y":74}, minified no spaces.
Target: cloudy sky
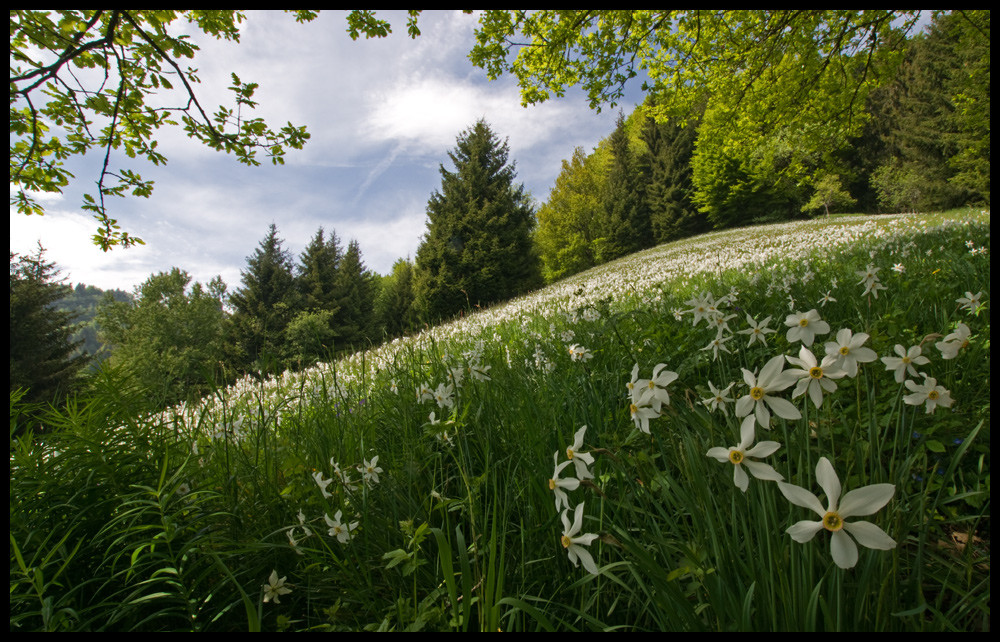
{"x":382,"y":114}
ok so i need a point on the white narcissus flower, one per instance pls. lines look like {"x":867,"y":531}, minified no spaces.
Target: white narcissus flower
{"x":951,"y":344}
{"x":701,"y":307}
{"x":560,"y":486}
{"x":970,"y":301}
{"x":814,"y":377}
{"x":275,"y":588}
{"x":338,"y":529}
{"x":740,"y":456}
{"x":322,"y":483}
{"x":856,"y":503}
{"x":719,"y":399}
{"x":760,"y":400}
{"x":804,"y":326}
{"x":580,"y":459}
{"x":579,"y":353}
{"x":574,"y":543}
{"x":655,"y":393}
{"x":930,"y":393}
{"x":718,"y":344}
{"x":641,"y":414}
{"x":903,"y":364}
{"x":757,"y":331}
{"x":444,"y":395}
{"x":370,"y":471}
{"x":849,"y":351}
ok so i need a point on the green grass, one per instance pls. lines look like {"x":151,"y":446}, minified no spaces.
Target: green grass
{"x":176,"y":521}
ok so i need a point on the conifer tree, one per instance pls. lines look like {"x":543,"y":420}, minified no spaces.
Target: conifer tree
{"x":672,"y":212}
{"x":317,"y":272}
{"x":477,"y":249}
{"x":626,"y":217}
{"x":394,"y":312}
{"x":264,"y":305}
{"x":354,"y":322}
{"x":41,"y":347}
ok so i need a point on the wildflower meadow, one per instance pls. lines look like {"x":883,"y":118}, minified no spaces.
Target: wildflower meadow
{"x":773,"y":428}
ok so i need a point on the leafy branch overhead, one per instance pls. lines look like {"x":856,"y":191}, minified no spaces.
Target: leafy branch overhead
{"x":766,"y":62}
{"x":107,"y":80}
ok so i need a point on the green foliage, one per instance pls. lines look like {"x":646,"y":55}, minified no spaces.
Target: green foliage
{"x":394,"y":307}
{"x":356,"y":293}
{"x":935,"y":118}
{"x":43,"y":362}
{"x":263,"y":306}
{"x":791,"y":67}
{"x":90,"y":80}
{"x":477,"y":250}
{"x":899,"y":188}
{"x":171,"y":336}
{"x":667,"y":162}
{"x":829,"y":193}
{"x":569,"y":222}
{"x":317,"y":272}
{"x":626,"y":222}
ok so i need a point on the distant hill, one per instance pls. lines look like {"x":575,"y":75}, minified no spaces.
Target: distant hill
{"x":83,"y":300}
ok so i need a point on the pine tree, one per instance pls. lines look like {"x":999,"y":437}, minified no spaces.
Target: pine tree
{"x":263,"y":306}
{"x":354,"y":322}
{"x":672,"y":213}
{"x":626,"y":217}
{"x":41,"y":347}
{"x":935,"y":116}
{"x":394,"y":312}
{"x":477,"y":249}
{"x":317,"y":272}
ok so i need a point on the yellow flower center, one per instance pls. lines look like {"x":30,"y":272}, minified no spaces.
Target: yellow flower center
{"x":552,"y":484}
{"x":756,"y":393}
{"x":816,"y":372}
{"x":803,"y":322}
{"x":633,"y":408}
{"x":932,"y":395}
{"x":845,"y":350}
{"x":651,"y":384}
{"x":832,"y":521}
{"x":736,"y":456}
{"x":569,"y":453}
{"x":906,"y":360}
{"x":566,"y":541}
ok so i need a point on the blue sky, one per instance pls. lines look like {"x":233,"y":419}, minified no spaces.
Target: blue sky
{"x":382,"y":113}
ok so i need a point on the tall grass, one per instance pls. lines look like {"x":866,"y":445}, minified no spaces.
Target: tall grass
{"x":125,"y":521}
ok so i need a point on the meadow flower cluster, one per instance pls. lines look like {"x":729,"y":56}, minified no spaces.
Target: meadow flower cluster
{"x":828,"y":393}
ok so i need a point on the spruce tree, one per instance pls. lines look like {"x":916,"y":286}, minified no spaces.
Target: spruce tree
{"x":42,"y":360}
{"x":626,"y":217}
{"x":672,"y":213}
{"x":263,"y":306}
{"x":477,"y":249}
{"x":354,"y":321}
{"x":394,"y":312}
{"x":317,"y":272}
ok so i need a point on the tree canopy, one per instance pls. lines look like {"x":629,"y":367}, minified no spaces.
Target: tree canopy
{"x":810,"y":66}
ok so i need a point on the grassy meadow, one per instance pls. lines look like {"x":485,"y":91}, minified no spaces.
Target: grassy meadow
{"x":786,"y":428}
